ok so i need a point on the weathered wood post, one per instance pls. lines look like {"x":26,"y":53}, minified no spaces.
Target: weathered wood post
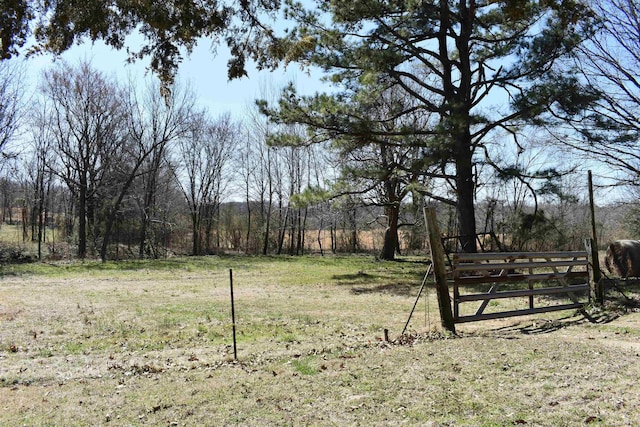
{"x":437,"y":260}
{"x":596,"y":291}
{"x":595,"y":277}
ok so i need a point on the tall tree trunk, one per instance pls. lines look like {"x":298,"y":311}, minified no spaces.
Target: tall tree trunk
{"x":208,"y":227}
{"x":465,"y":191}
{"x":302,"y":231}
{"x":34,"y":218}
{"x":283,"y":228}
{"x":149,"y":197}
{"x":292,"y":233}
{"x":69,"y":218}
{"x":144,"y":223}
{"x":267,"y":227}
{"x":462,"y":136}
{"x":334,"y":238}
{"x":195,"y":229}
{"x":249,"y":224}
{"x":353,"y":229}
{"x":25,"y":221}
{"x":391,"y":233}
{"x":320,"y":236}
{"x":41,"y":211}
{"x":457,"y":93}
{"x":92,"y":226}
{"x":82,"y":220}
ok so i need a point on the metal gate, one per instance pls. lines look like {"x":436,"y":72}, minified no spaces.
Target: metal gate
{"x":524,"y":274}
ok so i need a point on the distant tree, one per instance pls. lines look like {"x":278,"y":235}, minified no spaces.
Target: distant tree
{"x":203,"y":173}
{"x":273,"y":174}
{"x":12,"y":97}
{"x":89,"y":127}
{"x":8,"y":187}
{"x":610,"y":61}
{"x":531,"y":203}
{"x":151,"y":125}
{"x":39,"y":172}
{"x":258,"y":162}
{"x":156,"y":126}
{"x":298,"y":170}
{"x":309,"y":168}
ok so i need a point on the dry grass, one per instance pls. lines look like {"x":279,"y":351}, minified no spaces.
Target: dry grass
{"x":149,"y":343}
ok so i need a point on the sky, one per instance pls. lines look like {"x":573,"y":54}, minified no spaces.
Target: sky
{"x":204,"y":70}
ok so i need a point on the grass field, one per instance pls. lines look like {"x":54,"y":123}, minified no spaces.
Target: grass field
{"x":150,"y":343}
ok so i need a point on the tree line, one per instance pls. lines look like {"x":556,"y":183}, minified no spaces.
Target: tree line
{"x":432,"y":101}
{"x":108,"y":163}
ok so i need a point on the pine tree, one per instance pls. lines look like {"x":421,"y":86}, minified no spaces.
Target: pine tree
{"x":480,"y":67}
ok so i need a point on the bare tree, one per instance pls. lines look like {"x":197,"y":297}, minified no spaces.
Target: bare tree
{"x":88,"y":119}
{"x":261,"y":171}
{"x":41,"y":176}
{"x":611,"y":62}
{"x":203,"y":172}
{"x":8,"y":189}
{"x":254,"y":164}
{"x":12,"y":93}
{"x":156,"y":124}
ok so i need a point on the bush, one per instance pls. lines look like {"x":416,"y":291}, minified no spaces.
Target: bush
{"x":15,"y":255}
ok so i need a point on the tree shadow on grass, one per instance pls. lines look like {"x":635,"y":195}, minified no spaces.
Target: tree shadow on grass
{"x":398,"y":289}
{"x":361,"y":283}
{"x":355,"y":278}
{"x":617,"y":305}
{"x":594,"y":315}
{"x":545,"y":326}
{"x":622,"y":298}
{"x":580,"y":317}
{"x":181,"y":263}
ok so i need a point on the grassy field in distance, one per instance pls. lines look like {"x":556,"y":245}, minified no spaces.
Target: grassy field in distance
{"x":150,"y":343}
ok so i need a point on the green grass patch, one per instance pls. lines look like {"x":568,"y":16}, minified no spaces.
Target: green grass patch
{"x":73,"y":347}
{"x":305,"y":366}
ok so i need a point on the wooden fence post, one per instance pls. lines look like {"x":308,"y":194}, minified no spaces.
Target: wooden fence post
{"x":596,"y":291}
{"x":437,"y":260}
{"x":595,"y":277}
